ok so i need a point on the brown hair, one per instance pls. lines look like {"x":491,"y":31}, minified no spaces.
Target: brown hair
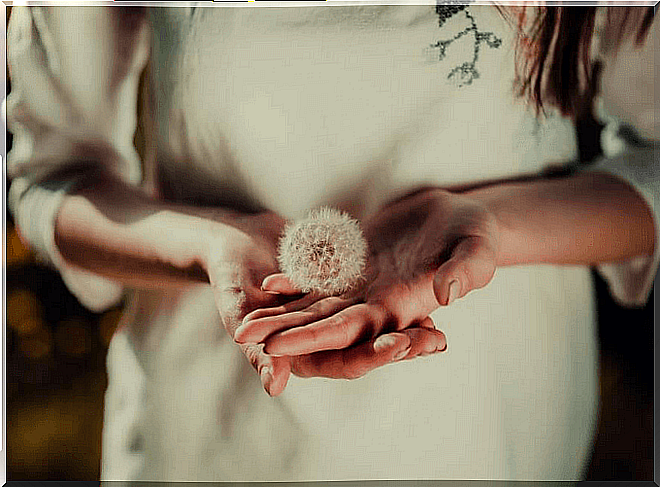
{"x":552,"y":55}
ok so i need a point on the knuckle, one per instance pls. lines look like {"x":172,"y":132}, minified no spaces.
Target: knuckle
{"x":305,"y":369}
{"x":382,"y":318}
{"x":324,"y":306}
{"x":331,"y":302}
{"x":343,"y":329}
{"x":315,"y":307}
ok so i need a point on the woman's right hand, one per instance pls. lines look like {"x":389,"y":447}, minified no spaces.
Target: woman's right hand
{"x":114,"y":230}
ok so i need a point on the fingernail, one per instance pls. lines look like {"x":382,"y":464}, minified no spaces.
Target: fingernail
{"x":263,"y":288}
{"x":439,"y":350}
{"x":267,"y":379}
{"x":401,"y":355}
{"x":383,"y":343}
{"x":238,"y":338}
{"x":454,"y":291}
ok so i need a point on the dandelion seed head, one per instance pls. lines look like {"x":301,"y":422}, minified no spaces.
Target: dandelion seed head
{"x":323,"y":252}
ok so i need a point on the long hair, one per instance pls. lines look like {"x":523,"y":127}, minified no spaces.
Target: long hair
{"x":554,"y":66}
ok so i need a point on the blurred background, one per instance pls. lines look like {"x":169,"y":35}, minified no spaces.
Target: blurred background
{"x":56,"y":377}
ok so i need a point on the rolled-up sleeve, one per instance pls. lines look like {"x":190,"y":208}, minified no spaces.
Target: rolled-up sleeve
{"x":627,"y":101}
{"x":72,"y":109}
{"x":631,"y":282}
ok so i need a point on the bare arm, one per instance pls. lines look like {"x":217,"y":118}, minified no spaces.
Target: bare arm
{"x":113,"y":229}
{"x":79,"y":109}
{"x":584,"y":219}
{"x":446,"y":244}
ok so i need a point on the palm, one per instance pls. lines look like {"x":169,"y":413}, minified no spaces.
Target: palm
{"x":410,"y":240}
{"x":418,"y":246}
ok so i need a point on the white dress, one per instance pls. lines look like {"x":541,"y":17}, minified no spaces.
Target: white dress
{"x":288,"y":109}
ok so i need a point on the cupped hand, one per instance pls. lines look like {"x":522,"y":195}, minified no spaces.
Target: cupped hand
{"x":241,"y":255}
{"x":426,"y":250}
{"x":241,"y":252}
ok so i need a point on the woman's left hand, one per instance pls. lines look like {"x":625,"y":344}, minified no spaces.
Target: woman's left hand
{"x":425,"y":250}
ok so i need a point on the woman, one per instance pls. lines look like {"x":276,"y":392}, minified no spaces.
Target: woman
{"x":260,"y":115}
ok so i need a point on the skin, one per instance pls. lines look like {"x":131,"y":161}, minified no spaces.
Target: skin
{"x":420,"y":243}
{"x":116,"y":231}
{"x":423,"y":243}
{"x":409,"y":242}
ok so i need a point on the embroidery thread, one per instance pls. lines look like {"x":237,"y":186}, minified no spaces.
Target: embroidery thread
{"x":466,"y":72}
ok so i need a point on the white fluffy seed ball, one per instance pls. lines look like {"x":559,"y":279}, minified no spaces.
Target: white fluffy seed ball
{"x":324,"y":252}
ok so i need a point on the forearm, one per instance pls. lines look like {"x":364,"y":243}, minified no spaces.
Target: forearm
{"x":114,"y":230}
{"x":582,"y":219}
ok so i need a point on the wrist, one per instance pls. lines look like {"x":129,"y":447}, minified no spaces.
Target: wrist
{"x":208,"y":241}
{"x":500,"y":224}
{"x":226,"y":235}
{"x":180,"y":242}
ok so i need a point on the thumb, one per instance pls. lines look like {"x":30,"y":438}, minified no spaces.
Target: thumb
{"x":471,"y":266}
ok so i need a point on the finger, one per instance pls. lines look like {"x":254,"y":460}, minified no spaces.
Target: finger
{"x":471,"y":266}
{"x":427,"y":323}
{"x":279,"y":283}
{"x":234,"y":302}
{"x":301,"y":304}
{"x":424,"y":341}
{"x":273,"y":372}
{"x":354,"y":362}
{"x":234,"y":295}
{"x":284,"y":308}
{"x":280,"y":376}
{"x":357,"y":361}
{"x":257,"y":330}
{"x":341,"y":330}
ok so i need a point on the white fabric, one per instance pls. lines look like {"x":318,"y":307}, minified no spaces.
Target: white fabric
{"x":288,"y":109}
{"x":631,"y":282}
{"x":627,"y":96}
{"x":72,"y":105}
{"x":35,"y":208}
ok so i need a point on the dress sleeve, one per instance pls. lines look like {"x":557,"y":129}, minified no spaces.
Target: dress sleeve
{"x":72,"y":109}
{"x":626,"y":106}
{"x":631,"y":282}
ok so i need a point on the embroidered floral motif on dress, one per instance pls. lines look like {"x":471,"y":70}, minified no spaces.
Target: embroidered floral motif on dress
{"x":467,"y":72}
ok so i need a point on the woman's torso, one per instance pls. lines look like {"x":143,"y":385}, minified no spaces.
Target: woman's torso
{"x":338,"y":105}
{"x":292,"y":108}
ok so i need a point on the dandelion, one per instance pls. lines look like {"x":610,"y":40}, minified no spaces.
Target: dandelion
{"x":324,"y":252}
